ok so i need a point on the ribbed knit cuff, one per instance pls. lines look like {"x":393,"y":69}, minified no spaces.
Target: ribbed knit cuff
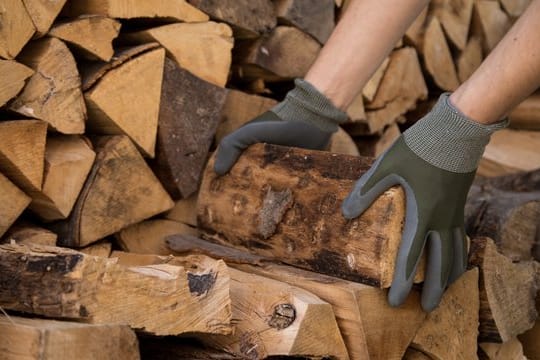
{"x":449,"y":140}
{"x":305,"y":103}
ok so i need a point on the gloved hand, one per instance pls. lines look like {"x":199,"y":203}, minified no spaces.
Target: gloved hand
{"x":435,"y":162}
{"x":306,"y":119}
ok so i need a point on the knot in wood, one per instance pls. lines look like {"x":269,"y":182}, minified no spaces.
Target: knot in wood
{"x":283,"y":316}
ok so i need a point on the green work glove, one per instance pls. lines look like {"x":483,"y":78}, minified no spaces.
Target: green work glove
{"x":305,"y":119}
{"x":435,"y":162}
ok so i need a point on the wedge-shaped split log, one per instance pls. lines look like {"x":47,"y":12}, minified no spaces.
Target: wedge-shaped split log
{"x":12,"y":203}
{"x":13,"y":79}
{"x":17,"y":28}
{"x":43,"y":13}
{"x":158,"y":299}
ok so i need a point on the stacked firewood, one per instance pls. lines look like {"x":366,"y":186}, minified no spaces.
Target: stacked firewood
{"x":118,"y":241}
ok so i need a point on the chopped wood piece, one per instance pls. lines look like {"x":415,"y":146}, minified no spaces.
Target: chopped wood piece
{"x":148,"y":237}
{"x":509,"y":350}
{"x":286,"y":53}
{"x":271,"y":317}
{"x":188,"y":118}
{"x":249,"y":18}
{"x":22,"y":152}
{"x":17,"y":28}
{"x":92,"y":35}
{"x":437,"y":58}
{"x":370,"y":89}
{"x":177,"y":348}
{"x":510,"y":151}
{"x":121,"y":190}
{"x":450,"y":331}
{"x":184,"y":211}
{"x":527,"y":114}
{"x":68,"y":160}
{"x":469,"y":59}
{"x":342,"y":143}
{"x":507,"y":293}
{"x":43,"y":13}
{"x":53,"y":93}
{"x":178,"y":10}
{"x":514,"y":7}
{"x":13,"y":79}
{"x":315,"y":18}
{"x":455,"y":18}
{"x":285,"y":203}
{"x":12,"y":203}
{"x":204,"y":49}
{"x":413,"y":354}
{"x":24,"y":338}
{"x":375,"y":145}
{"x":415,"y":33}
{"x":113,"y":110}
{"x":529,"y":339}
{"x":158,"y":299}
{"x":519,"y":182}
{"x":493,"y":22}
{"x":239,"y":108}
{"x":25,"y":233}
{"x":356,"y":110}
{"x":102,"y":248}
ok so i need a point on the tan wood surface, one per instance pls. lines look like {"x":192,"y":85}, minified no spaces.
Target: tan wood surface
{"x":493,"y":22}
{"x":184,"y":211}
{"x":527,"y":114}
{"x":25,"y":233}
{"x":14,"y":75}
{"x":17,"y":28}
{"x":455,"y":17}
{"x":437,"y":57}
{"x":12,"y":203}
{"x":469,"y":59}
{"x":315,"y":18}
{"x":43,"y":13}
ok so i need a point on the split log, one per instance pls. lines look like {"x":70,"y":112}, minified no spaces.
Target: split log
{"x":178,"y":10}
{"x":114,"y":111}
{"x":24,"y":338}
{"x":413,"y":354}
{"x":370,"y":89}
{"x":26,"y":234}
{"x":507,"y":293}
{"x":520,"y":182}
{"x":184,"y":211}
{"x":177,"y":348}
{"x":527,"y":114}
{"x":148,"y":237}
{"x":68,"y":160}
{"x":510,"y":151}
{"x":315,"y":18}
{"x":22,"y":152}
{"x":12,"y":203}
{"x":455,"y":18}
{"x":437,"y":57}
{"x":13,"y":79}
{"x":515,"y":8}
{"x":43,"y":13}
{"x":53,"y":93}
{"x":204,"y":49}
{"x":188,"y":117}
{"x":271,"y":203}
{"x":529,"y":339}
{"x":17,"y":28}
{"x":375,"y":145}
{"x":286,"y":53}
{"x":102,"y":249}
{"x":469,"y":59}
{"x":356,"y":111}
{"x":249,"y":18}
{"x":509,"y":350}
{"x":92,"y":36}
{"x":415,"y":33}
{"x":342,"y":143}
{"x":450,"y":331}
{"x":493,"y":22}
{"x":159,"y":299}
{"x":121,"y":190}
{"x":271,"y":317}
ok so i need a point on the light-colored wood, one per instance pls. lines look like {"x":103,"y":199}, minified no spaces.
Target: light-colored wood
{"x":16,"y":30}
{"x":22,"y":152}
{"x":515,"y":7}
{"x":24,"y":338}
{"x":239,"y":108}
{"x":12,"y":203}
{"x":342,"y":143}
{"x":53,"y":93}
{"x":315,"y":18}
{"x":526,"y":115}
{"x":437,"y":58}
{"x":376,"y":145}
{"x":102,"y":248}
{"x":370,"y":89}
{"x":493,"y":22}
{"x":92,"y":35}
{"x":121,"y":190}
{"x":25,"y":233}
{"x":276,"y":202}
{"x":529,"y":340}
{"x":509,"y":350}
{"x":158,"y":299}
{"x":68,"y":160}
{"x":114,"y":110}
{"x":413,"y":354}
{"x":510,"y":151}
{"x":43,"y":13}
{"x":184,"y":211}
{"x":13,"y":79}
{"x":179,"y":10}
{"x":415,"y":33}
{"x":507,"y":293}
{"x":455,"y":17}
{"x":204,"y":49}
{"x":148,"y":237}
{"x":450,"y":331}
{"x":356,"y":110}
{"x":469,"y":59}
{"x":270,"y":317}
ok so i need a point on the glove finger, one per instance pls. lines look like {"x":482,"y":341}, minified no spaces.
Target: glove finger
{"x":459,"y":265}
{"x":439,"y":263}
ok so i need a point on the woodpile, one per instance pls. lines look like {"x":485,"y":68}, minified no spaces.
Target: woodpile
{"x":117,"y":239}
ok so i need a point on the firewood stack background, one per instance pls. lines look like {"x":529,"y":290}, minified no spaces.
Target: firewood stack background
{"x":119,"y":241}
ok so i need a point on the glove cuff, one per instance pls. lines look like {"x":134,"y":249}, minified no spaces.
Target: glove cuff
{"x":448,"y":139}
{"x":305,"y":103}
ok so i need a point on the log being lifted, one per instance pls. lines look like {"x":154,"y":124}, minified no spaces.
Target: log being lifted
{"x":160,"y":299}
{"x":285,"y":203}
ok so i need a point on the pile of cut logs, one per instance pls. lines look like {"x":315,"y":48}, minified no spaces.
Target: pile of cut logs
{"x":118,"y":241}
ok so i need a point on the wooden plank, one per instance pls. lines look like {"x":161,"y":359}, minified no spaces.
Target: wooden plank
{"x":158,"y":299}
{"x":13,"y":201}
{"x":17,"y":28}
{"x":315,"y":18}
{"x":43,"y":13}
{"x":437,"y":57}
{"x":13,"y":79}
